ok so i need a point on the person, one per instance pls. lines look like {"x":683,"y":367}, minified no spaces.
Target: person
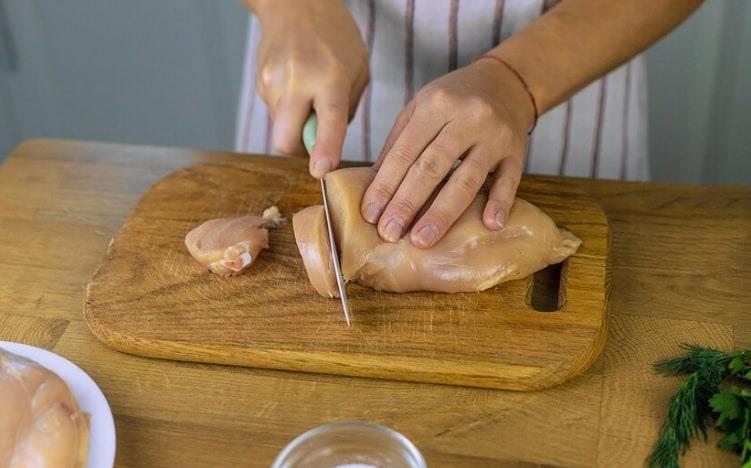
{"x":452,"y":90}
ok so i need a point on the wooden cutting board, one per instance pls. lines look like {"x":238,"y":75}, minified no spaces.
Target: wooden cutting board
{"x":150,"y":298}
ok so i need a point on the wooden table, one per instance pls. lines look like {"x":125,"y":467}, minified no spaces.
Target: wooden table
{"x":681,"y":272}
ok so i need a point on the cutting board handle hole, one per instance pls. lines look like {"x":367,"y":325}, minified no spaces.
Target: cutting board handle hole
{"x":547,"y":293}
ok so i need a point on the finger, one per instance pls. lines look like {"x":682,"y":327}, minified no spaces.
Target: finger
{"x":332,"y":108}
{"x":420,"y":182}
{"x":458,"y":193}
{"x":396,"y":130}
{"x":414,"y":138}
{"x":502,"y":193}
{"x":289,"y":116}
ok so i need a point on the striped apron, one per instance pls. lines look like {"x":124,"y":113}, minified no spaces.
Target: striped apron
{"x":600,"y":132}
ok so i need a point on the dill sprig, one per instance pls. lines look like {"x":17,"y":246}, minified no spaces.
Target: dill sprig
{"x":699,"y":398}
{"x":697,"y":358}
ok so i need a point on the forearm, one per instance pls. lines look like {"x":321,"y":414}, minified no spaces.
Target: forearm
{"x":581,"y":40}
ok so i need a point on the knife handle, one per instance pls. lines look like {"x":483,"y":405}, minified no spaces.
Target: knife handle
{"x":309,"y":132}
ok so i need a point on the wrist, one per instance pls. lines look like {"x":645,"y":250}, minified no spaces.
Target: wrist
{"x":256,"y":6}
{"x":273,"y":10}
{"x":507,"y":78}
{"x":282,"y":9}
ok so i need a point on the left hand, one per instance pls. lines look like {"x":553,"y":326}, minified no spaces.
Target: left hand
{"x":479,"y":114}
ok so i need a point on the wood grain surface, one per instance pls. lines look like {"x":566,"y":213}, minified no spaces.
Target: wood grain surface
{"x":150,"y":298}
{"x":680,"y":263}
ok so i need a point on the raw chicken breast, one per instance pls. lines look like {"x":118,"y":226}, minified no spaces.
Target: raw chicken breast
{"x":313,"y":242}
{"x":227,"y":246}
{"x":469,"y":258}
{"x":41,"y":424}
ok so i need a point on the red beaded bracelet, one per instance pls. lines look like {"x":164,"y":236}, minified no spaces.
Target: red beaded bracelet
{"x":526,"y":86}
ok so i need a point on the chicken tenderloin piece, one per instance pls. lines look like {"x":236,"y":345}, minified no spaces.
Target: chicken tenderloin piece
{"x":227,"y":246}
{"x":312,"y":240}
{"x":41,"y":424}
{"x":469,"y":258}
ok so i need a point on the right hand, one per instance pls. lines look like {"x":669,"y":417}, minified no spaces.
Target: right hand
{"x":311,"y":57}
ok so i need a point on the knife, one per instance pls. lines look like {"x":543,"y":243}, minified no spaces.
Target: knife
{"x":309,"y":138}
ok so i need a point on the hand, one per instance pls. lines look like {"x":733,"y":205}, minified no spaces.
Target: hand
{"x":479,"y":114}
{"x":311,"y":56}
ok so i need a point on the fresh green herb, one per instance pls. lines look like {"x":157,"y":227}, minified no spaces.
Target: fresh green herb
{"x":700,"y":399}
{"x":733,"y":405}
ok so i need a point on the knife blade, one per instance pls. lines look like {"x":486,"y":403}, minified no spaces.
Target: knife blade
{"x":309,"y":137}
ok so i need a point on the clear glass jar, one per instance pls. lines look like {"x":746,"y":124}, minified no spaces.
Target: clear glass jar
{"x":350,"y":444}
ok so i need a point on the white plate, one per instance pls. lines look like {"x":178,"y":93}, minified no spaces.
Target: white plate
{"x":89,"y":396}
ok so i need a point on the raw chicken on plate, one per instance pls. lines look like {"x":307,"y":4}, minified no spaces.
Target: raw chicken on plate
{"x":41,"y":423}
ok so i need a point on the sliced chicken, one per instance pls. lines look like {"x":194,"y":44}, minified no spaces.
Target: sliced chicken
{"x":313,"y":242}
{"x":227,"y":246}
{"x":41,"y":424}
{"x":469,"y":258}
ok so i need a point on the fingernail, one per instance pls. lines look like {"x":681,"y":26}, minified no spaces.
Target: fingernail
{"x":426,"y":235}
{"x":393,"y":230}
{"x":500,"y":218}
{"x":372,"y":212}
{"x":320,"y":168}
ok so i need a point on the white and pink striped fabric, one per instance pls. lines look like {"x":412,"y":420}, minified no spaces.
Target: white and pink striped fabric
{"x":600,"y":132}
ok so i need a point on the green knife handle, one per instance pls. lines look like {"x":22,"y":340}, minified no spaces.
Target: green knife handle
{"x":309,"y":132}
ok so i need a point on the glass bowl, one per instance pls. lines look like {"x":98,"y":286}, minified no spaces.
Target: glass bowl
{"x":350,"y":444}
